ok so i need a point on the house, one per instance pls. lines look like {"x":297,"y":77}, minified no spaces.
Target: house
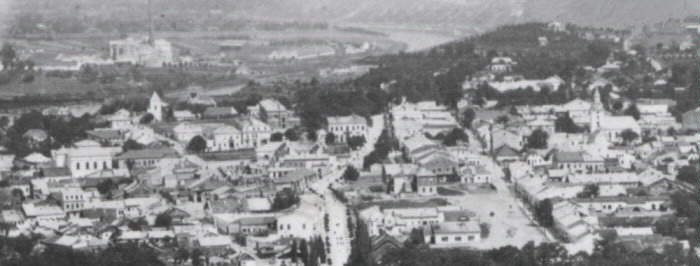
{"x":7,"y":160}
{"x":612,"y":204}
{"x":296,"y":180}
{"x":275,"y":114}
{"x":452,"y":234}
{"x":256,"y":225}
{"x":691,"y":120}
{"x":347,"y":126}
{"x":146,"y":158}
{"x":572,"y":220}
{"x":219,"y":113}
{"x":381,"y":245}
{"x":106,"y":136}
{"x":475,"y":175}
{"x":214,"y":244}
{"x":578,"y":161}
{"x":184,"y":115}
{"x":120,"y":120}
{"x":500,"y":137}
{"x":43,"y":212}
{"x":86,"y":157}
{"x":505,"y":153}
{"x":79,"y":241}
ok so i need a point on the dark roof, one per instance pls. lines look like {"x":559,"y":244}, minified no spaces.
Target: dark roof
{"x":156,"y":153}
{"x":219,"y":111}
{"x":105,"y":134}
{"x":55,"y":171}
{"x":244,"y":154}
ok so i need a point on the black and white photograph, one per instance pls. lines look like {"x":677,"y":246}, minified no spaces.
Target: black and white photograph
{"x":350,"y":133}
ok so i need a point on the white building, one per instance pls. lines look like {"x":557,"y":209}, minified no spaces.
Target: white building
{"x":86,"y":157}
{"x":452,"y":234}
{"x":139,"y":51}
{"x":305,"y":221}
{"x":156,"y":107}
{"x":347,"y":126}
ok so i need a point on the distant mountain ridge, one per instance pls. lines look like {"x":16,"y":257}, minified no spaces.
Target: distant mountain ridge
{"x":475,"y":15}
{"x":478,"y":14}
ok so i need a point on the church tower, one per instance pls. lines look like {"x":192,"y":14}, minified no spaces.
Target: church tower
{"x":596,"y":112}
{"x":156,"y":107}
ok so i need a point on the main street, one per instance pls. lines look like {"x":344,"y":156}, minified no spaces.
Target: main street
{"x":339,"y":235}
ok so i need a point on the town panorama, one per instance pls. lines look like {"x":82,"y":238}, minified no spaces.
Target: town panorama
{"x":331,"y":133}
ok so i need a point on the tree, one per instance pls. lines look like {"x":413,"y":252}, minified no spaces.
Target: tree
{"x":455,"y":136}
{"x":589,"y":191}
{"x":537,"y":139}
{"x":330,"y":138}
{"x":311,"y":135}
{"x":276,"y":137}
{"x":629,"y":136}
{"x":131,"y":144}
{"x":294,"y":252}
{"x":633,"y":111}
{"x":291,"y":135}
{"x":689,"y":174}
{"x":355,"y":142}
{"x":105,"y":187}
{"x":304,"y":252}
{"x":181,"y":255}
{"x":543,"y":213}
{"x":196,"y":257}
{"x":284,"y":199}
{"x":468,"y":117}
{"x":8,"y":55}
{"x":566,"y":124}
{"x":164,"y":220}
{"x":197,"y":144}
{"x":351,"y":174}
{"x":146,"y":118}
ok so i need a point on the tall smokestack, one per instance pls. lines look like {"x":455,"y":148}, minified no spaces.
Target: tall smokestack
{"x":150,"y":24}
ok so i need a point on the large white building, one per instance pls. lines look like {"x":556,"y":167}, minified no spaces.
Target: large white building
{"x":139,"y":51}
{"x":347,"y":126}
{"x":86,"y":157}
{"x":241,"y":133}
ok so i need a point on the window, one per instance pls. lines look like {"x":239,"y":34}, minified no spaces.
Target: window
{"x":471,"y":238}
{"x":77,"y":166}
{"x":458,"y":238}
{"x":444,"y":239}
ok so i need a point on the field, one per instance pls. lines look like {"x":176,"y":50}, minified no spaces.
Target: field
{"x":202,"y":46}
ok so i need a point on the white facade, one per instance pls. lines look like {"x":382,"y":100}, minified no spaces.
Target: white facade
{"x":156,"y":107}
{"x":347,"y":126}
{"x":86,"y":157}
{"x":139,"y":51}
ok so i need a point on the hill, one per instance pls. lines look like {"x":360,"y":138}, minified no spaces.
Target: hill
{"x":463,"y":15}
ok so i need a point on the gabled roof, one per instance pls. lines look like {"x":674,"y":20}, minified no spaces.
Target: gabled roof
{"x":506,"y":151}
{"x":344,"y":120}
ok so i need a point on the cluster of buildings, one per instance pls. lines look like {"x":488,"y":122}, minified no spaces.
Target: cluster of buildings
{"x":115,"y":184}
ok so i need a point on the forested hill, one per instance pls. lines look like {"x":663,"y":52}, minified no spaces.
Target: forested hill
{"x":439,"y":73}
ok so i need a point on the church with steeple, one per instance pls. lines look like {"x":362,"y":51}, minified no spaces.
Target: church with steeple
{"x":611,"y":127}
{"x":157,"y":107}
